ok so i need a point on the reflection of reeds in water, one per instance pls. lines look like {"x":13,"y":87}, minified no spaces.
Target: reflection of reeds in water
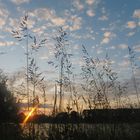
{"x":70,"y":131}
{"x":87,"y":131}
{"x":94,"y":131}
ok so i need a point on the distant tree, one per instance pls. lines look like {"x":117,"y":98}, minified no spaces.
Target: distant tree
{"x":8,"y":107}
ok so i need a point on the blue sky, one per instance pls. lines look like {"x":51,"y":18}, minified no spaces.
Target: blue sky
{"x":103,"y":26}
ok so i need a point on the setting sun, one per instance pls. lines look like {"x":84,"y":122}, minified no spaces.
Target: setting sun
{"x":29,"y":115}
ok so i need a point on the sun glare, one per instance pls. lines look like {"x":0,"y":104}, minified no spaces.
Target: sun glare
{"x":29,"y":115}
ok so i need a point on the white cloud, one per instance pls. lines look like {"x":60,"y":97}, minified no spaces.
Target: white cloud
{"x":74,"y":23}
{"x":44,"y":57}
{"x":126,"y":56}
{"x":130,"y":34}
{"x":136,"y":13}
{"x":38,"y":30}
{"x":58,"y":21}
{"x":2,"y":36}
{"x":76,"y":47}
{"x":107,"y":34}
{"x":105,"y":40}
{"x":2,"y":22}
{"x":78,"y":5}
{"x":13,"y":22}
{"x":125,"y":63}
{"x":6,"y":43}
{"x":131,"y":25}
{"x":103,"y":10}
{"x":48,"y":15}
{"x":88,"y":36}
{"x":99,"y":51}
{"x":69,"y":21}
{"x":122,"y":46}
{"x":137,"y":48}
{"x":43,"y":13}
{"x":31,"y":23}
{"x":18,"y":2}
{"x":90,"y":13}
{"x":112,"y":47}
{"x":103,"y":18}
{"x":90,"y":2}
{"x":4,"y":13}
{"x":107,"y":37}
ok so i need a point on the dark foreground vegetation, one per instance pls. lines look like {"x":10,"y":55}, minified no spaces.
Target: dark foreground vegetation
{"x":90,"y":116}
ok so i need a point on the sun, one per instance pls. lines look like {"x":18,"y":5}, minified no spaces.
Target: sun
{"x":29,"y":115}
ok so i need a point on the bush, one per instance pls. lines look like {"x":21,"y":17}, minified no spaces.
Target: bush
{"x":8,"y":107}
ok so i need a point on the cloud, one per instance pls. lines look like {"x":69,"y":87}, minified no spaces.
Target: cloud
{"x":125,"y":63}
{"x":49,"y":15}
{"x":2,"y":22}
{"x":42,"y":13}
{"x":90,"y":2}
{"x":76,"y":36}
{"x":99,"y":51}
{"x":130,"y":34}
{"x":88,"y":36}
{"x":4,"y":13}
{"x":107,"y":37}
{"x":131,"y":25}
{"x":58,"y":21}
{"x":112,"y":48}
{"x":105,"y":40}
{"x":107,"y":34}
{"x":122,"y":46}
{"x":44,"y":57}
{"x":13,"y":22}
{"x":103,"y":18}
{"x":39,"y":30}
{"x":2,"y":36}
{"x":78,"y":5}
{"x":74,"y":23}
{"x":76,"y":47}
{"x":6,"y":43}
{"x":136,"y":13}
{"x":90,"y":13}
{"x":18,"y":2}
{"x":137,"y":48}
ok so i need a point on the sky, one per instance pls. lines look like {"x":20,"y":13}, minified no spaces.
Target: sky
{"x":102,"y":26}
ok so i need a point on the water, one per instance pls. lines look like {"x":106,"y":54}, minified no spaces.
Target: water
{"x":83,"y":131}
